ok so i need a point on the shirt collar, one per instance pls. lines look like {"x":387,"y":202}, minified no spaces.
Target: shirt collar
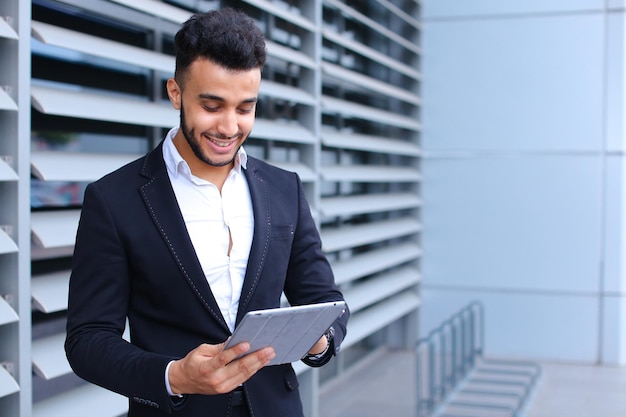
{"x":176,"y":164}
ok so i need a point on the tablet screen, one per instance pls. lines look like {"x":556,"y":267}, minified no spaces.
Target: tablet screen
{"x":291,"y":331}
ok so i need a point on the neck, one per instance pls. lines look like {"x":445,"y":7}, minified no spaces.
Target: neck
{"x":214,"y":174}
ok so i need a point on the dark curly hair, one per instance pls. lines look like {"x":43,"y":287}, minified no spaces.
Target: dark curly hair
{"x":226,"y":37}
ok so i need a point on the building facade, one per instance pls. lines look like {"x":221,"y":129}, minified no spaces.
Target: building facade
{"x":83,"y":93}
{"x":524,"y":173}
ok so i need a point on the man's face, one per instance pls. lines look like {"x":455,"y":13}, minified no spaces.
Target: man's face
{"x":217,"y":109}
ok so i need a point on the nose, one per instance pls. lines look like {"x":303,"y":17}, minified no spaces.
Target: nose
{"x":228,"y":125}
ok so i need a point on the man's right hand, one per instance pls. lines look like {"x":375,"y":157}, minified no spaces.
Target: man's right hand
{"x":209,"y":369}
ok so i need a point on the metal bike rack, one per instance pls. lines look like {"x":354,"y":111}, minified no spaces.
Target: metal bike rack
{"x":454,"y":379}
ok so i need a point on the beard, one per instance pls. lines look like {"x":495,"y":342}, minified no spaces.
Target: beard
{"x":196,"y":144}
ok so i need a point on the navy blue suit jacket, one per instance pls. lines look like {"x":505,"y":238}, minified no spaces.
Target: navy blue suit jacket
{"x":134,"y":260}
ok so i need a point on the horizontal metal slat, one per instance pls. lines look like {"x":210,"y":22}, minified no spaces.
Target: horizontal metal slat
{"x":374,"y":261}
{"x":6,"y":102}
{"x":346,"y":140}
{"x":283,"y":13}
{"x":6,"y":243}
{"x":286,"y":92}
{"x":158,"y":9}
{"x":38,"y":253}
{"x":305,"y":173}
{"x":367,"y":322}
{"x":373,"y":25}
{"x":351,"y":236}
{"x":288,"y":131}
{"x":7,"y":314}
{"x":369,"y":173}
{"x":109,"y":108}
{"x":383,"y":286}
{"x":6,"y":31}
{"x":6,"y":172}
{"x":49,"y":291}
{"x":73,"y":166}
{"x":104,"y":48}
{"x":370,"y":53}
{"x":359,"y":111}
{"x":8,"y":385}
{"x":54,"y":229}
{"x":86,"y":400}
{"x":400,"y":13}
{"x":368,"y":203}
{"x":370,"y":83}
{"x":289,"y":55}
{"x":48,"y":355}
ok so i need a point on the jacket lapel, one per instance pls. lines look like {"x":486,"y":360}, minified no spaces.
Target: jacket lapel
{"x":162,"y":205}
{"x":260,"y":242}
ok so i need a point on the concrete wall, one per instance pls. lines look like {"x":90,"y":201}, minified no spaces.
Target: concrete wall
{"x":524,"y":173}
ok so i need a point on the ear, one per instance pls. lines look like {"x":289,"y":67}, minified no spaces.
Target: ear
{"x":174,"y":93}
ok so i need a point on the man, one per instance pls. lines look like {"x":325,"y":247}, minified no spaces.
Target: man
{"x":186,"y":240}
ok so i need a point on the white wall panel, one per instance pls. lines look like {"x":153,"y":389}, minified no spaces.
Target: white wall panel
{"x":617,"y":4}
{"x":524,"y":175}
{"x":615,"y":226}
{"x":514,"y":84}
{"x":519,"y":222}
{"x":454,"y":8}
{"x":524,"y":325}
{"x":616,"y":82}
{"x":613,"y":340}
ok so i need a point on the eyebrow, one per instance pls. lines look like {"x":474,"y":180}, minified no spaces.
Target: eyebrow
{"x":206,"y":96}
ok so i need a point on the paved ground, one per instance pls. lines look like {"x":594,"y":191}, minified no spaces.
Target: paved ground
{"x":384,"y":387}
{"x":381,"y":387}
{"x":579,"y":391}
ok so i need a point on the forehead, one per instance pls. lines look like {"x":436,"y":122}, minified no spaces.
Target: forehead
{"x":205,"y":77}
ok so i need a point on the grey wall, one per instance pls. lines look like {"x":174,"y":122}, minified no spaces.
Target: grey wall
{"x":524,"y":197}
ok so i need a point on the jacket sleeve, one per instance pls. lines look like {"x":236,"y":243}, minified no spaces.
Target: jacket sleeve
{"x":97,"y":309}
{"x":310,"y":278}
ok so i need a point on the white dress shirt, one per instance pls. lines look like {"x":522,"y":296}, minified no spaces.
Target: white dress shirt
{"x":213,"y":221}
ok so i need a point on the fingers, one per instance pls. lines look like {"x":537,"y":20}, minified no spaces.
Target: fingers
{"x":240,"y":370}
{"x":228,"y":355}
{"x":258,"y":358}
{"x":209,"y":369}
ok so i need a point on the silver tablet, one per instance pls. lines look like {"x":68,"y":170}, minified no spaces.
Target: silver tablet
{"x":291,"y":331}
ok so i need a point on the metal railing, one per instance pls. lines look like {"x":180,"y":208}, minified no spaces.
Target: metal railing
{"x":450,"y":363}
{"x":447,"y":355}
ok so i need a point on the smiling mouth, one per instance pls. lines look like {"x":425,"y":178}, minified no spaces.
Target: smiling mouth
{"x":221,"y":143}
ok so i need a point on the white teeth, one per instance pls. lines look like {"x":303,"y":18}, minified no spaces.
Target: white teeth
{"x":220,"y":144}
